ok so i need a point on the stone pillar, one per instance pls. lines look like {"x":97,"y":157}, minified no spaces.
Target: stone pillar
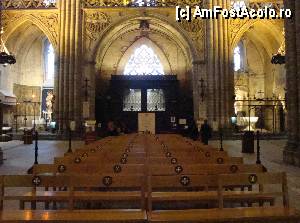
{"x":200,"y":104}
{"x":68,"y":96}
{"x":220,"y":78}
{"x":291,"y":153}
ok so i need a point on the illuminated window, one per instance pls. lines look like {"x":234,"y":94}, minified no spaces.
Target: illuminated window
{"x":143,"y":62}
{"x":132,"y":100}
{"x":49,"y":60}
{"x":237,"y":59}
{"x":156,"y":100}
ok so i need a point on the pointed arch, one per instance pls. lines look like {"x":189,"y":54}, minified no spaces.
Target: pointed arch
{"x":47,"y":23}
{"x":130,"y":51}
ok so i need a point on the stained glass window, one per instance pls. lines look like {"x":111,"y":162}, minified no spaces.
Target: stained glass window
{"x":143,"y":62}
{"x":156,"y":100}
{"x":132,"y":100}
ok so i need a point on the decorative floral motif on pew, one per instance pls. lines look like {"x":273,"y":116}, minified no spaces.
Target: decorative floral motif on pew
{"x":252,"y":178}
{"x":36,"y":181}
{"x":185,"y":181}
{"x":168,"y":154}
{"x":174,"y":161}
{"x":123,"y":161}
{"x":77,"y":160}
{"x":107,"y":181}
{"x":207,"y":154}
{"x":61,"y":168}
{"x":220,"y":160}
{"x":234,"y":168}
{"x":178,"y":169}
{"x":117,"y":168}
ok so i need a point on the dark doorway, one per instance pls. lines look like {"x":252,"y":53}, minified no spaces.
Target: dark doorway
{"x":129,"y":95}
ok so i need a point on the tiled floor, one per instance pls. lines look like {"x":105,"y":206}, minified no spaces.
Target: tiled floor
{"x":19,"y":157}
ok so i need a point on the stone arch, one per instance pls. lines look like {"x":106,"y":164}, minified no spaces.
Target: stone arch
{"x":131,"y":24}
{"x":47,"y":23}
{"x":242,"y":26}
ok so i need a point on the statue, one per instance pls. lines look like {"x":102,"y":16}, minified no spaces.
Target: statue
{"x":49,"y":105}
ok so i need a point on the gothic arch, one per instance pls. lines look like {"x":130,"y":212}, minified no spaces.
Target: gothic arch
{"x":239,"y":27}
{"x":47,"y":23}
{"x":157,"y":25}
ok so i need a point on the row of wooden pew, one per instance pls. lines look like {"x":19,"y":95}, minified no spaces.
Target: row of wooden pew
{"x":146,"y":178}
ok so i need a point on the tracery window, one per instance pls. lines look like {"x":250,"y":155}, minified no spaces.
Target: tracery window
{"x":143,"y":62}
{"x":49,"y":60}
{"x":156,"y":100}
{"x":132,"y":100}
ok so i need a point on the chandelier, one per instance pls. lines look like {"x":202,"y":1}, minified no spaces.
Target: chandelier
{"x":279,"y":58}
{"x":5,"y":56}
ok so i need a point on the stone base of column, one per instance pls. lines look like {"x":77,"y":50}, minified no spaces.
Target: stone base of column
{"x":291,"y":155}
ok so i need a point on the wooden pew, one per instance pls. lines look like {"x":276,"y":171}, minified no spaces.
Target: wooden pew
{"x":76,"y":193}
{"x":121,"y":169}
{"x":210,"y":169}
{"x":223,"y":213}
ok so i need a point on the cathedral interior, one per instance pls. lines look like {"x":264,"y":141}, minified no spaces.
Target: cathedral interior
{"x":84,"y":67}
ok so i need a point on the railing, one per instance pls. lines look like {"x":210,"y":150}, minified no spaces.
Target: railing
{"x":28,"y":4}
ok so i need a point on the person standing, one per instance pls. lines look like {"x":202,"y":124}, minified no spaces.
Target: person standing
{"x":205,"y":132}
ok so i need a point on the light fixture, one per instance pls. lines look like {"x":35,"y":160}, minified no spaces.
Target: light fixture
{"x":279,"y":58}
{"x":5,"y":56}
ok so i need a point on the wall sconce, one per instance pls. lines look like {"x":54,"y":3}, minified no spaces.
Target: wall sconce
{"x":201,"y":89}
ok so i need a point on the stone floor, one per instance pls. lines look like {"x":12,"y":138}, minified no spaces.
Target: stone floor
{"x":19,"y":157}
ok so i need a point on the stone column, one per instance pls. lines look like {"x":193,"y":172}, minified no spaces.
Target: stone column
{"x":69,"y":66}
{"x":220,"y":77}
{"x":291,"y":153}
{"x":200,"y":104}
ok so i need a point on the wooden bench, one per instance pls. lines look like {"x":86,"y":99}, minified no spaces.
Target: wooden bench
{"x":197,"y":169}
{"x":121,"y":169}
{"x":230,"y":214}
{"x":199,"y":188}
{"x":78,"y":190}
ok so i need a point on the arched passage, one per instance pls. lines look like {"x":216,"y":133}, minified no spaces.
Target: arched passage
{"x":259,"y":85}
{"x":172,"y":50}
{"x":31,"y":79}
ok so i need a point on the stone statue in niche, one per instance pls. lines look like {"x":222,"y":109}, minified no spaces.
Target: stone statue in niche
{"x":49,"y":105}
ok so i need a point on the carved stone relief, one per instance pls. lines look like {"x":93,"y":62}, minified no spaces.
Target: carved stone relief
{"x":49,"y":22}
{"x":95,"y":23}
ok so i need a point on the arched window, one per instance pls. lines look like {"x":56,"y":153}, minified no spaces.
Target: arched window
{"x":237,"y":59}
{"x":49,"y":60}
{"x":143,"y":62}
